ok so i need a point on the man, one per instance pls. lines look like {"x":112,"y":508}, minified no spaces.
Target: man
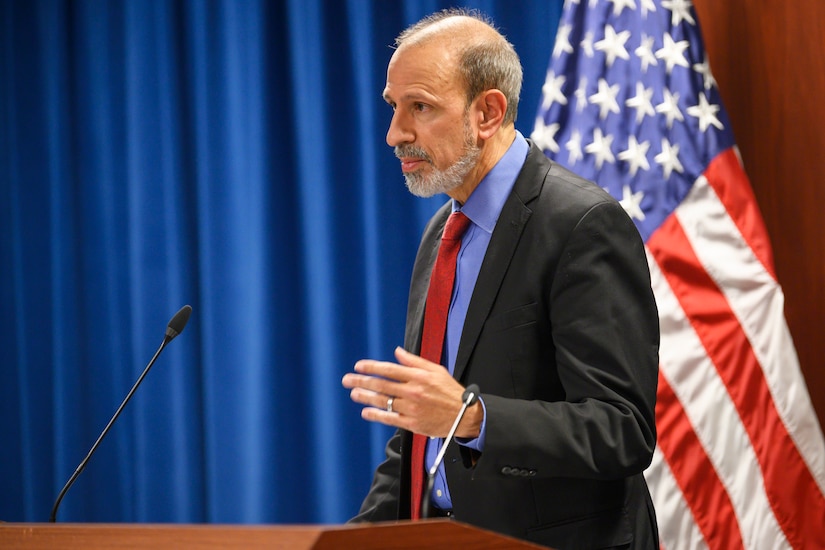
{"x":551,"y":315}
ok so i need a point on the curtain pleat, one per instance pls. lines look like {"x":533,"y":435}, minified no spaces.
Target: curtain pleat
{"x":229,"y":155}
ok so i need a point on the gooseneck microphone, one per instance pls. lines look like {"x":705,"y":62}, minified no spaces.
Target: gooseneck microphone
{"x":174,"y":328}
{"x":468,"y":398}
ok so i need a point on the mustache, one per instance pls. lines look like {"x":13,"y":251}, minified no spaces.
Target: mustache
{"x":402,"y":151}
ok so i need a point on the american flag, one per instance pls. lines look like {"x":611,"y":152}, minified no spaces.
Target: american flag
{"x":630,"y":102}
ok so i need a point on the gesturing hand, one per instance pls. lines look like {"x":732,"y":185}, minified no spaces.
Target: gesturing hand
{"x":424,"y":397}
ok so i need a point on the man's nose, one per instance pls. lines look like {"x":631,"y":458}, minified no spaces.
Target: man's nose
{"x":399,"y":131}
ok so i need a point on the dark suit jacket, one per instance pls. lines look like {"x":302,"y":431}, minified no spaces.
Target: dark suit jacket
{"x":562,"y":337}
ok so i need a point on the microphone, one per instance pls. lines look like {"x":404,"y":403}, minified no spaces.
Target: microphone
{"x":174,"y":328}
{"x":468,"y":398}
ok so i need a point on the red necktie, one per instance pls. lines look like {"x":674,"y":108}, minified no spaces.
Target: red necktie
{"x":432,"y":338}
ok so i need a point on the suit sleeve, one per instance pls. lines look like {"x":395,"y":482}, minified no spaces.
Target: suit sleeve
{"x":381,"y":503}
{"x":601,"y":345}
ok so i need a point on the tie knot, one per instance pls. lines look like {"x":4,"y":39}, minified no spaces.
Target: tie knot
{"x":456,"y":225}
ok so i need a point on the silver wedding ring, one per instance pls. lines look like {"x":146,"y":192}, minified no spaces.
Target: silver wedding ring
{"x":389,"y":404}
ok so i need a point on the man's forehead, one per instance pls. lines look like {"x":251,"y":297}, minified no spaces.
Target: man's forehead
{"x":428,"y":69}
{"x":438,"y":52}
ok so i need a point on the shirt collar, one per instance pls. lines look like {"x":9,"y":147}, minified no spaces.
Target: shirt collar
{"x":484,"y":204}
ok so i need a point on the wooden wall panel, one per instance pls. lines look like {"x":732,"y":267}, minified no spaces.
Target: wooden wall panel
{"x":769,"y":62}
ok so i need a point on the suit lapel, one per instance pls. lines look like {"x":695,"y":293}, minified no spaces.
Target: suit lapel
{"x":506,"y":235}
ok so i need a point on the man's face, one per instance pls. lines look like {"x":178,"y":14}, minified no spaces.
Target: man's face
{"x":431,"y":129}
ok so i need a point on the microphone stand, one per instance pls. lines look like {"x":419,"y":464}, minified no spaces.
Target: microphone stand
{"x":468,"y":398}
{"x":172,"y":330}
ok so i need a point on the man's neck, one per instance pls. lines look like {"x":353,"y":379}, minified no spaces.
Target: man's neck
{"x":491,"y":152}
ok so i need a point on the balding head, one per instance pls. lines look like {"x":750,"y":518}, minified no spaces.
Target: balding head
{"x":484,"y":58}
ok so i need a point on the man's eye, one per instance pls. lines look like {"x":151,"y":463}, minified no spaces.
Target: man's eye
{"x":420,"y":107}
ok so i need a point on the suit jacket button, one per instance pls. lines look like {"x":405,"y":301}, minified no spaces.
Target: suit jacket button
{"x":507,"y":471}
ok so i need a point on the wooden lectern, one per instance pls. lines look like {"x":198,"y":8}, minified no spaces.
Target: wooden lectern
{"x":436,"y":533}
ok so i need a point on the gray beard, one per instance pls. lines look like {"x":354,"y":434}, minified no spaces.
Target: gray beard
{"x":440,"y":181}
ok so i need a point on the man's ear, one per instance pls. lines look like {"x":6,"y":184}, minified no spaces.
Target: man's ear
{"x":491,"y":105}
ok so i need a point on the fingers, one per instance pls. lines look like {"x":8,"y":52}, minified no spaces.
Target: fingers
{"x":373,"y":383}
{"x":375,"y":399}
{"x":381,"y":379}
{"x":394,"y":418}
{"x":426,"y":396}
{"x":398,"y":372}
{"x":412,"y":360}
{"x":375,"y":393}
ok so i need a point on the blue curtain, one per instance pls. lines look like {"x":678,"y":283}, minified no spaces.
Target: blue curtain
{"x":224,"y":154}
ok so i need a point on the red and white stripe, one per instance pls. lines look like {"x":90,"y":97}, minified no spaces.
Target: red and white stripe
{"x":741,"y":458}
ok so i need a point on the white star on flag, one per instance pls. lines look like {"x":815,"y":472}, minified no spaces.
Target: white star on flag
{"x":670,"y":108}
{"x":706,"y":113}
{"x":552,"y":90}
{"x":574,"y":147}
{"x":619,"y":5}
{"x":581,"y":95}
{"x":703,"y":68}
{"x":605,"y":98}
{"x":680,"y":10}
{"x":641,"y":102}
{"x":647,"y":6}
{"x":562,"y":42}
{"x":673,"y":53}
{"x":600,"y":148}
{"x":669,"y":158}
{"x":613,"y":45}
{"x":645,"y":52}
{"x":636,"y":156}
{"x":587,"y":44}
{"x":544,"y":135}
{"x":631,"y":202}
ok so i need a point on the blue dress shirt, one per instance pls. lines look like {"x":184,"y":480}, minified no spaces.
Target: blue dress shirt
{"x":483,"y":207}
